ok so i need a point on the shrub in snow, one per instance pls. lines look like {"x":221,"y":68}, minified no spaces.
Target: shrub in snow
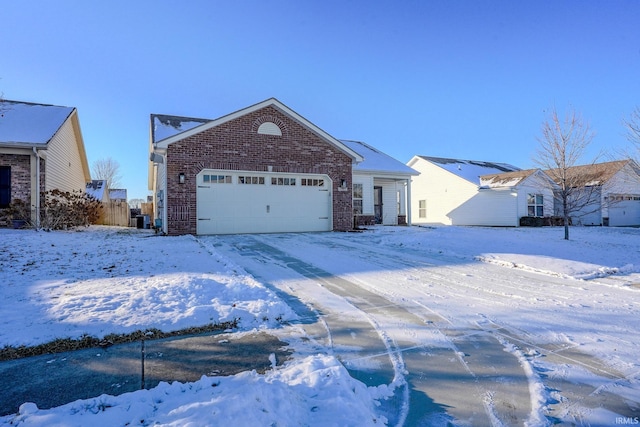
{"x":63,"y":209}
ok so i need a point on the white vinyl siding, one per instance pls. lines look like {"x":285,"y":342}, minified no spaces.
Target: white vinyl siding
{"x":63,"y":163}
{"x":442,"y":190}
{"x":491,"y":208}
{"x":367,"y":192}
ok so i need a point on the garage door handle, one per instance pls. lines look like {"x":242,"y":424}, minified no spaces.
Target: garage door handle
{"x":268,"y":208}
{"x":204,"y":219}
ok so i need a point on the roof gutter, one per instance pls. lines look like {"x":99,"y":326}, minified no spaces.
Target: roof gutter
{"x":23,"y":145}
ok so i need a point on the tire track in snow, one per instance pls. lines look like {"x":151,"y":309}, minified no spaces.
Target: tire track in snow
{"x":265,"y":254}
{"x":426,"y":379}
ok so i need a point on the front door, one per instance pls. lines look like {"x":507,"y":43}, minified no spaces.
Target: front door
{"x":377,"y":204}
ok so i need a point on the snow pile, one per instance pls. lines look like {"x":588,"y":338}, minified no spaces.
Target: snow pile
{"x":315,"y":391}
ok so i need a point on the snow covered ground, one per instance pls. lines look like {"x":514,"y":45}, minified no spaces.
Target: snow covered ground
{"x":103,"y":280}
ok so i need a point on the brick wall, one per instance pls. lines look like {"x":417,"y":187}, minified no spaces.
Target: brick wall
{"x":236,"y":145}
{"x":20,"y":175}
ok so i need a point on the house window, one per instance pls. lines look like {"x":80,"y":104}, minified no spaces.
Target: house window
{"x":357,"y":199}
{"x":5,"y":186}
{"x":422,"y":208}
{"x":535,"y":205}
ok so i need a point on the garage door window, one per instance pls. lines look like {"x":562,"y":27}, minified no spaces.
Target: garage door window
{"x":308,"y":182}
{"x":216,"y":179}
{"x":283,"y":181}
{"x":255,"y":180}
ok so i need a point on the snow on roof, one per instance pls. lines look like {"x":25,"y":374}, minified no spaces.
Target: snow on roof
{"x":506,"y":179}
{"x":96,"y":188}
{"x":117,"y":194}
{"x":164,"y":126}
{"x":27,"y":123}
{"x":375,"y":160}
{"x":589,"y":175}
{"x":471,"y":170}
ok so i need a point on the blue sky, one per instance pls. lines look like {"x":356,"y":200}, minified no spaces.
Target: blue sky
{"x":463,"y":79}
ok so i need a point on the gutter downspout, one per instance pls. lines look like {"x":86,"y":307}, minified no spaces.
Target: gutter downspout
{"x":409,"y":202}
{"x":165,"y":210}
{"x":37,"y":213}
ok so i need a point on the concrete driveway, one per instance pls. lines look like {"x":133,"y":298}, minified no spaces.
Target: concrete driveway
{"x":442,"y":370}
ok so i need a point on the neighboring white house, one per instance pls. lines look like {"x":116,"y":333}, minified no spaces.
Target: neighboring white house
{"x":449,"y":191}
{"x":531,"y":194}
{"x":613,"y":190}
{"x":381,"y":187}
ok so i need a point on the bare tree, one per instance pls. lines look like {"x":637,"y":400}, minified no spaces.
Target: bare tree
{"x":108,"y":170}
{"x":633,"y":130}
{"x":136,"y":203}
{"x":562,"y":144}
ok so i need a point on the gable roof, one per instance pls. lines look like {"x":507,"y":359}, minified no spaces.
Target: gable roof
{"x":164,"y":126}
{"x":506,"y":179}
{"x":376,"y":161}
{"x":28,"y":124}
{"x":118,"y":193}
{"x":591,"y":175}
{"x":271,"y":102}
{"x":470,"y":170}
{"x":96,"y":188}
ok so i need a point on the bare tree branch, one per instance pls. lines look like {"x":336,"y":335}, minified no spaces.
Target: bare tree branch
{"x":632,"y":124}
{"x":563,"y":142}
{"x":109,"y":170}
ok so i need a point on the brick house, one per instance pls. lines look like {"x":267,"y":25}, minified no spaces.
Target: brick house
{"x":261,"y":169}
{"x":41,"y":148}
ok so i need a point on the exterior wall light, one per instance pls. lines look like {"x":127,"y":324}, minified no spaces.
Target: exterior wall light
{"x":181,"y":178}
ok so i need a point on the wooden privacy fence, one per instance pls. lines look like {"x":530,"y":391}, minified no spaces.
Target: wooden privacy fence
{"x":116,"y":213}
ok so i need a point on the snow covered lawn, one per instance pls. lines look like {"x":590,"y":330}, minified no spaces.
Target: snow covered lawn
{"x":105,"y":280}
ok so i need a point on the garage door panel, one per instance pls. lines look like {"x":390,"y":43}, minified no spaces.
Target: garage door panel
{"x":625,"y":212}
{"x":287,"y":206}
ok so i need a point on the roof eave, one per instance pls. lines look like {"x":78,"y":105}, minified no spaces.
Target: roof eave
{"x":385,"y":173}
{"x":260,"y":105}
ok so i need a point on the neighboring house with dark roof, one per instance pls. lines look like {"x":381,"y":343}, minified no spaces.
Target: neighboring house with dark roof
{"x":265,"y":168}
{"x":470,"y":192}
{"x":97,"y":189}
{"x":611,"y":194}
{"x":41,"y":148}
{"x":115,"y":210}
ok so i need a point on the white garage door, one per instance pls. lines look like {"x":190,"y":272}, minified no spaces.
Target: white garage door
{"x":625,"y":211}
{"x":230,"y":202}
